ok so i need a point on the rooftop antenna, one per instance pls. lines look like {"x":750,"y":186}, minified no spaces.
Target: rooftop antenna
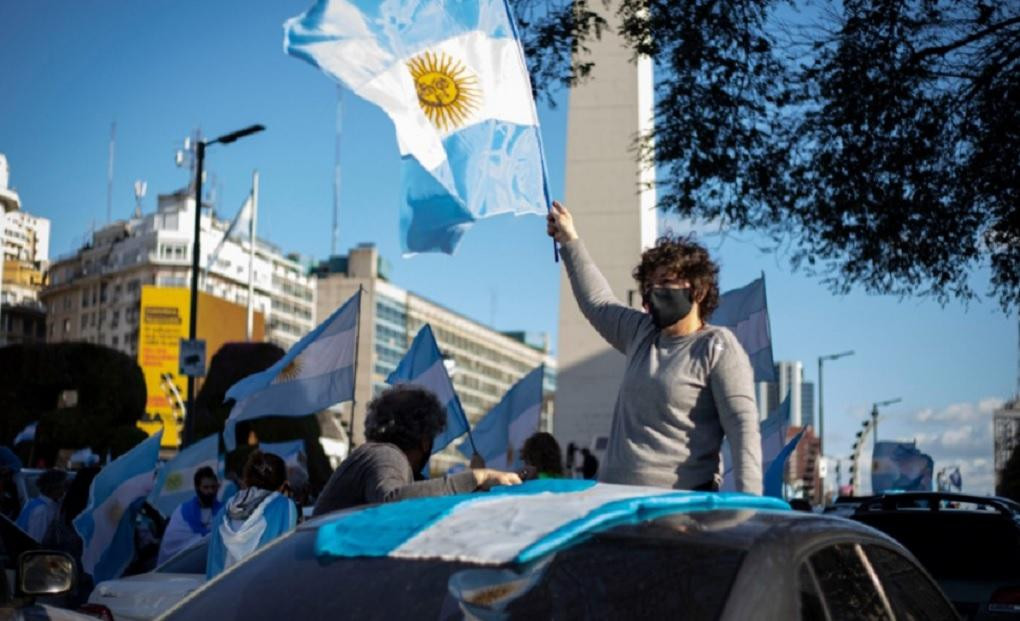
{"x":140,"y":188}
{"x":109,"y":172}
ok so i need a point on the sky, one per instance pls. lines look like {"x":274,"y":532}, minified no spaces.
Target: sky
{"x":162,"y":68}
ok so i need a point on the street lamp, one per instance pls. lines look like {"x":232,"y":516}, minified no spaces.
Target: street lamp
{"x":821,"y":402}
{"x":189,"y":421}
{"x":874,"y":416}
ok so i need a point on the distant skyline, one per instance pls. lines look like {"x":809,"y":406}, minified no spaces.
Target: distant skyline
{"x":162,"y":69}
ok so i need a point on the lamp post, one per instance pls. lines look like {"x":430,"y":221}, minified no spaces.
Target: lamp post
{"x":189,"y":422}
{"x":821,"y":401}
{"x":874,"y":417}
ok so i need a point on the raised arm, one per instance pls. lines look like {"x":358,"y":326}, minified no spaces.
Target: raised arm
{"x":616,"y":322}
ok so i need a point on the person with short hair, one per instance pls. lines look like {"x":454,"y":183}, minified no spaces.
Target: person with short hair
{"x":38,"y":513}
{"x":589,"y":464}
{"x":192,"y":519}
{"x":686,"y":383}
{"x":401,"y":424}
{"x":542,"y":452}
{"x":256,"y":515}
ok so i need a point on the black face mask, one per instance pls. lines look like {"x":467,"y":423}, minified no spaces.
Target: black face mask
{"x":668,"y":306}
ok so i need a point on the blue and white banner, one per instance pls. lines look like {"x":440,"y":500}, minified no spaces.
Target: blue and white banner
{"x":451,"y":76}
{"x":316,"y":373}
{"x":107,"y":525}
{"x":522,"y":523}
{"x":292,"y":452}
{"x":176,"y":481}
{"x":501,"y":433}
{"x":745,"y":312}
{"x":423,"y":366}
{"x":26,"y":435}
{"x":900,"y":466}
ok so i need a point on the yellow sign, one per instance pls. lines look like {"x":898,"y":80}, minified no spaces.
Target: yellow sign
{"x":164,"y":314}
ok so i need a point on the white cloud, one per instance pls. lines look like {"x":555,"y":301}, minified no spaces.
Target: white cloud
{"x":957,"y":437}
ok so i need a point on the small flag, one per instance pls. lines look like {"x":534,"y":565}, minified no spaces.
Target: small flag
{"x":316,"y":373}
{"x":423,"y":366}
{"x":240,"y":223}
{"x":107,"y":525}
{"x":772,"y":481}
{"x":452,"y":78}
{"x":745,"y":312}
{"x":501,"y":433}
{"x":175,"y":483}
{"x":900,"y":466}
{"x":773,"y":443}
{"x":26,"y":435}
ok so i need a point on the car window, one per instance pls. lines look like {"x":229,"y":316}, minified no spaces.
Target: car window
{"x":911,"y":594}
{"x":604,"y":577}
{"x":848,"y":587}
{"x":189,"y":561}
{"x":811,"y":608}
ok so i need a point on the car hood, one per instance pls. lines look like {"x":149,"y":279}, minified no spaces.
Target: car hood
{"x":144,"y":596}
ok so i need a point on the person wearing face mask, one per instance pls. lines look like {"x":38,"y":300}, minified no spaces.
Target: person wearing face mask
{"x":191,"y":520}
{"x":400,"y":426}
{"x":686,"y":383}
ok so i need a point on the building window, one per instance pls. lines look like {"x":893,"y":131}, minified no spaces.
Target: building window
{"x":85,"y":297}
{"x":67,"y":326}
{"x":115,"y":341}
{"x":84,"y":320}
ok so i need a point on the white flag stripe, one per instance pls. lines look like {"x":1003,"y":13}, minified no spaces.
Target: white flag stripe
{"x":499,"y":96}
{"x":107,"y":516}
{"x":522,"y":520}
{"x":323,"y":355}
{"x":753,"y":332}
{"x":435,"y":379}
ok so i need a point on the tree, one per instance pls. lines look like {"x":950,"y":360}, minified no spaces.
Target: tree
{"x":879,"y":141}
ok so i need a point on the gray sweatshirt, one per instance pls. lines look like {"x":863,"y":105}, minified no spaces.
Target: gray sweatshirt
{"x":380,"y":472}
{"x":678,"y":397}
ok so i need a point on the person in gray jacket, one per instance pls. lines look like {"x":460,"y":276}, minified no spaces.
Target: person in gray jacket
{"x":686,"y":383}
{"x":401,"y":424}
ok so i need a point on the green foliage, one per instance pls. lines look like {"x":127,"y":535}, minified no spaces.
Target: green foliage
{"x":877,"y":142}
{"x":110,"y":390}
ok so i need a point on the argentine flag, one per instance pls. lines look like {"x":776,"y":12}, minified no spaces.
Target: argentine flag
{"x":501,"y":433}
{"x":745,"y":311}
{"x":451,"y":76}
{"x":107,"y":524}
{"x":176,"y":481}
{"x":423,"y":366}
{"x":316,"y":373}
{"x":775,"y":450}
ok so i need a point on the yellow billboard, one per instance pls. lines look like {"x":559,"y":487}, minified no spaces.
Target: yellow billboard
{"x":163,"y":321}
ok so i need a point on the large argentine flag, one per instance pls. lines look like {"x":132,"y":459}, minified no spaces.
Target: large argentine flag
{"x":107,"y":525}
{"x":176,"y":481}
{"x":316,"y":373}
{"x":452,"y":77}
{"x":423,"y":366}
{"x":501,"y":433}
{"x":745,"y":311}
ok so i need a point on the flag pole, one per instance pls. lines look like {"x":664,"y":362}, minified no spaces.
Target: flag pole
{"x":354,"y":397}
{"x":249,"y":326}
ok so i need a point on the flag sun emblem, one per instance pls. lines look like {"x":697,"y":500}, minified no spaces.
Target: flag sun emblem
{"x":290,"y":371}
{"x":447,"y":91}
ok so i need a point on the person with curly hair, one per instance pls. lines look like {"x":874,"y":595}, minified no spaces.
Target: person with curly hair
{"x":686,"y":383}
{"x":542,"y":452}
{"x":401,"y":424}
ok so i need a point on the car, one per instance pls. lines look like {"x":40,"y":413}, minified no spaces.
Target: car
{"x":145,"y":596}
{"x":574,"y":549}
{"x":970,"y":544}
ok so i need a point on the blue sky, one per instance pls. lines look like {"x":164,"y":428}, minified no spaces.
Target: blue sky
{"x":161,"y":68}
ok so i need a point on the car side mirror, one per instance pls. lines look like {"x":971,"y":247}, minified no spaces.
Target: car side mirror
{"x":43,"y":572}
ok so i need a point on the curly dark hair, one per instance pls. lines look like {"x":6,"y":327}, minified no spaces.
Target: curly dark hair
{"x":205,"y":472}
{"x":404,"y":415}
{"x":542,"y":451}
{"x":687,"y":259}
{"x":265,"y":471}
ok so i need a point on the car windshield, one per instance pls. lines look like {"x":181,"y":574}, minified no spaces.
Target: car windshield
{"x":622,"y":573}
{"x":189,"y":561}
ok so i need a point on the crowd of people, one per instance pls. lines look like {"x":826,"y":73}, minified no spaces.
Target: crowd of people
{"x":687,"y":384}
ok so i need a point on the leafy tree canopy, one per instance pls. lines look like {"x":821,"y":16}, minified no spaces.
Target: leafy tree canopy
{"x":877,"y":140}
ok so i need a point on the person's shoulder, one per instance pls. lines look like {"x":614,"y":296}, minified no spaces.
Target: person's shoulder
{"x":722,"y":342}
{"x":378,"y":451}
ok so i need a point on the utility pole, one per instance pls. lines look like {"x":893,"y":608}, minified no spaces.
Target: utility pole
{"x":821,"y":398}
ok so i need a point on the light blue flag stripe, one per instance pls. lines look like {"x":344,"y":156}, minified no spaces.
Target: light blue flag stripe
{"x":106,"y":525}
{"x":745,"y":312}
{"x":506,"y":426}
{"x":175,"y":483}
{"x":772,"y":483}
{"x":422,"y":365}
{"x":485,"y":159}
{"x":316,"y":373}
